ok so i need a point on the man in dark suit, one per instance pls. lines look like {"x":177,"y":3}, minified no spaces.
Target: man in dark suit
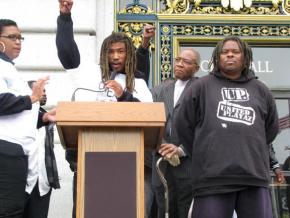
{"x":178,"y":177}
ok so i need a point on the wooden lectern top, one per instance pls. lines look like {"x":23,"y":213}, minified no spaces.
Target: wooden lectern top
{"x":72,"y":116}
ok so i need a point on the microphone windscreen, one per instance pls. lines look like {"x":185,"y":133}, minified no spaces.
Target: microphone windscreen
{"x":113,"y":75}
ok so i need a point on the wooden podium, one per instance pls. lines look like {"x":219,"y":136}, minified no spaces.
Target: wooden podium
{"x":110,"y":138}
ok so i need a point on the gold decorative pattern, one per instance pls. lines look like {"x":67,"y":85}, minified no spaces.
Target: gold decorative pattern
{"x":177,"y":6}
{"x":175,"y":19}
{"x":239,"y":30}
{"x":276,"y":3}
{"x":134,"y":30}
{"x":165,"y":51}
{"x":265,"y":7}
{"x":244,"y":11}
{"x":136,"y":9}
{"x":286,"y":6}
{"x":165,"y":57}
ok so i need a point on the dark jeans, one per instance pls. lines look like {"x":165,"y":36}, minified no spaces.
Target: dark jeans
{"x":253,"y":202}
{"x":13,"y":174}
{"x":36,"y":206}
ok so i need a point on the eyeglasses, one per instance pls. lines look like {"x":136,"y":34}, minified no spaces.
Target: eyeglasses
{"x":14,"y":37}
{"x":184,"y":60}
{"x":102,"y":88}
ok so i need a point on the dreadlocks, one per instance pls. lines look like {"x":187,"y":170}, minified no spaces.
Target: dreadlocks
{"x":130,"y":65}
{"x":245,"y":48}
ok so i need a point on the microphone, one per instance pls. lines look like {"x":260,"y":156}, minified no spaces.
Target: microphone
{"x":113,"y":75}
{"x":85,"y":89}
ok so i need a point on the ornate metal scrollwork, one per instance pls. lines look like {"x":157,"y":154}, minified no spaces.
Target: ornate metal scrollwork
{"x":286,"y":6}
{"x":134,"y":30}
{"x":165,"y":66}
{"x":224,"y":30}
{"x":169,"y":32}
{"x":244,"y":11}
{"x":224,"y":7}
{"x":177,"y":6}
{"x":136,"y":8}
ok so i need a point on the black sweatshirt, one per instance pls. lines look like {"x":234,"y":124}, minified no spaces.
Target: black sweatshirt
{"x":227,"y":126}
{"x":67,"y":49}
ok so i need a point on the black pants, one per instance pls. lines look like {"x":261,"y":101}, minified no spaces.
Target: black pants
{"x":180,"y":197}
{"x":13,"y":174}
{"x":252,"y":202}
{"x":74,"y":194}
{"x":36,"y":206}
{"x":71,"y":157}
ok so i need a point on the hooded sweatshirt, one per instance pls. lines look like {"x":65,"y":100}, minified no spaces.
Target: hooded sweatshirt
{"x":227,"y":125}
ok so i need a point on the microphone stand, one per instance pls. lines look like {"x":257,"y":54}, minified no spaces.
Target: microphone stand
{"x":80,"y":88}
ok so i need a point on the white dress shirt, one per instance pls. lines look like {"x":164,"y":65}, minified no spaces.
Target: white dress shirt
{"x":178,"y":89}
{"x":37,"y":159}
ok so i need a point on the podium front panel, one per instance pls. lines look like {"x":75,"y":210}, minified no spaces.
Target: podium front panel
{"x":110,"y":185}
{"x":108,"y":149}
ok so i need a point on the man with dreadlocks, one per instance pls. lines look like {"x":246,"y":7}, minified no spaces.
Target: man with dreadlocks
{"x":68,"y":51}
{"x":118,"y":67}
{"x":124,"y":66}
{"x":226,"y":122}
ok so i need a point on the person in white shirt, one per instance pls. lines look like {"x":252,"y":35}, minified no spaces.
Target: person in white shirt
{"x":19,"y":117}
{"x":45,"y":176}
{"x":114,"y":80}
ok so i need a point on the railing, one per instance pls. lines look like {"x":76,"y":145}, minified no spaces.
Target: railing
{"x":280,"y":194}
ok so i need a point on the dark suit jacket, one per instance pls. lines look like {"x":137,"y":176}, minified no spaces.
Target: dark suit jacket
{"x":165,"y":93}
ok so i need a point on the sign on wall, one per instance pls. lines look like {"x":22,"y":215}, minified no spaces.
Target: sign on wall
{"x":271,"y":64}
